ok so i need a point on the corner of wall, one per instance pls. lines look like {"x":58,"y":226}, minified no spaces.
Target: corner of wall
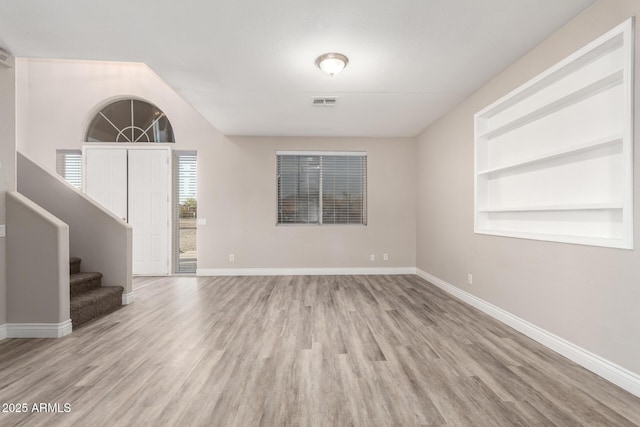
{"x":7,"y":169}
{"x":569,"y":290}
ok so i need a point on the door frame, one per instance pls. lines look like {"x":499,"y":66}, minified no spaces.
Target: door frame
{"x":168,"y":147}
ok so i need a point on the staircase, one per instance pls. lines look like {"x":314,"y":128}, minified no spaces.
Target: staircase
{"x":89,"y":299}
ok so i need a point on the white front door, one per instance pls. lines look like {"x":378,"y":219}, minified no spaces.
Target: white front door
{"x":149,"y":210}
{"x":134,"y":185}
{"x":106,"y":178}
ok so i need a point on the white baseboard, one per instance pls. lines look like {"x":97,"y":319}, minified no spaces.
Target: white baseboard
{"x":128,"y":298}
{"x":600,"y":366}
{"x":38,"y":330}
{"x":3,"y":332}
{"x":303,"y":271}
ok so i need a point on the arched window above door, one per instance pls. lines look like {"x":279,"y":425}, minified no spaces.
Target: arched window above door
{"x":130,"y":121}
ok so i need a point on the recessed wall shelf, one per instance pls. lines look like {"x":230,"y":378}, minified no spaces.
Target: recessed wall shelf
{"x":553,"y":159}
{"x":566,"y":152}
{"x":575,"y":97}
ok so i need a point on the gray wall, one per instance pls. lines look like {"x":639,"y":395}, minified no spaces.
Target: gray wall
{"x":236,"y":175}
{"x":586,"y":295}
{"x":99,"y":238}
{"x":7,"y":166}
{"x":238,"y":198}
{"x":37,"y":264}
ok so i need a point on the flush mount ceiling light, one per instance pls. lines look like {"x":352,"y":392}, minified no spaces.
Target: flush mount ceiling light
{"x":332,"y":63}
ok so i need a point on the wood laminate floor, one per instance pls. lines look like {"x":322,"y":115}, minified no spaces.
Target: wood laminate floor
{"x":301,"y":351}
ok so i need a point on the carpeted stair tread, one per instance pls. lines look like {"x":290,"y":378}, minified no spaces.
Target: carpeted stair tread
{"x":84,"y":276}
{"x":85,"y":281}
{"x":89,"y":299}
{"x":74,"y":265}
{"x":94,"y":303}
{"x":96,"y":294}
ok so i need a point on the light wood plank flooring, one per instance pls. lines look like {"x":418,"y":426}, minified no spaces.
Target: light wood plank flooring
{"x":302,"y":351}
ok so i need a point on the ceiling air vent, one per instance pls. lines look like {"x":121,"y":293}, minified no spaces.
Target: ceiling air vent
{"x":325,"y":101}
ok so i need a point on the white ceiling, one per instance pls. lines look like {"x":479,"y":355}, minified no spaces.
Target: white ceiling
{"x":248,"y":65}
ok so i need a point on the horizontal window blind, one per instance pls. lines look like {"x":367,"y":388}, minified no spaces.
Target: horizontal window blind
{"x":318,"y":189}
{"x":298,"y":189}
{"x":69,"y":166}
{"x":343,"y":189}
{"x":186,"y":170}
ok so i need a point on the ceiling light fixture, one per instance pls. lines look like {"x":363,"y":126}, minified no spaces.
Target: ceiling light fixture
{"x":332,"y":63}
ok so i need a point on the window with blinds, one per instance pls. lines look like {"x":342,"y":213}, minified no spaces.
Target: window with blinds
{"x":322,"y":188}
{"x":185,"y":212}
{"x":69,"y":166}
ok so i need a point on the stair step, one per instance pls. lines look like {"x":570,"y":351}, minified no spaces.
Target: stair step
{"x":74,"y":265}
{"x":83,"y":282}
{"x":95,"y":303}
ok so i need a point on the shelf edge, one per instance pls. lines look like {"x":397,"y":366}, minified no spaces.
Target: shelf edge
{"x":585,"y":92}
{"x":600,"y":143}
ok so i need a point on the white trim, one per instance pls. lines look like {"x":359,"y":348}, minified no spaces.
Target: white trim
{"x":38,"y":330}
{"x":616,"y":374}
{"x":321,"y":153}
{"x":128,"y":298}
{"x":3,"y":332}
{"x":304,"y":271}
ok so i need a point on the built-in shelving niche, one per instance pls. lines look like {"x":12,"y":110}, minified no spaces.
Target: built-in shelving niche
{"x":554,"y":157}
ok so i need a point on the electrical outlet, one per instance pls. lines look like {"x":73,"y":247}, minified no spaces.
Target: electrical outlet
{"x":3,"y":230}
{"x":470,"y":279}
{"x":373,"y":257}
{"x":385,"y":257}
{"x":232,"y":257}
